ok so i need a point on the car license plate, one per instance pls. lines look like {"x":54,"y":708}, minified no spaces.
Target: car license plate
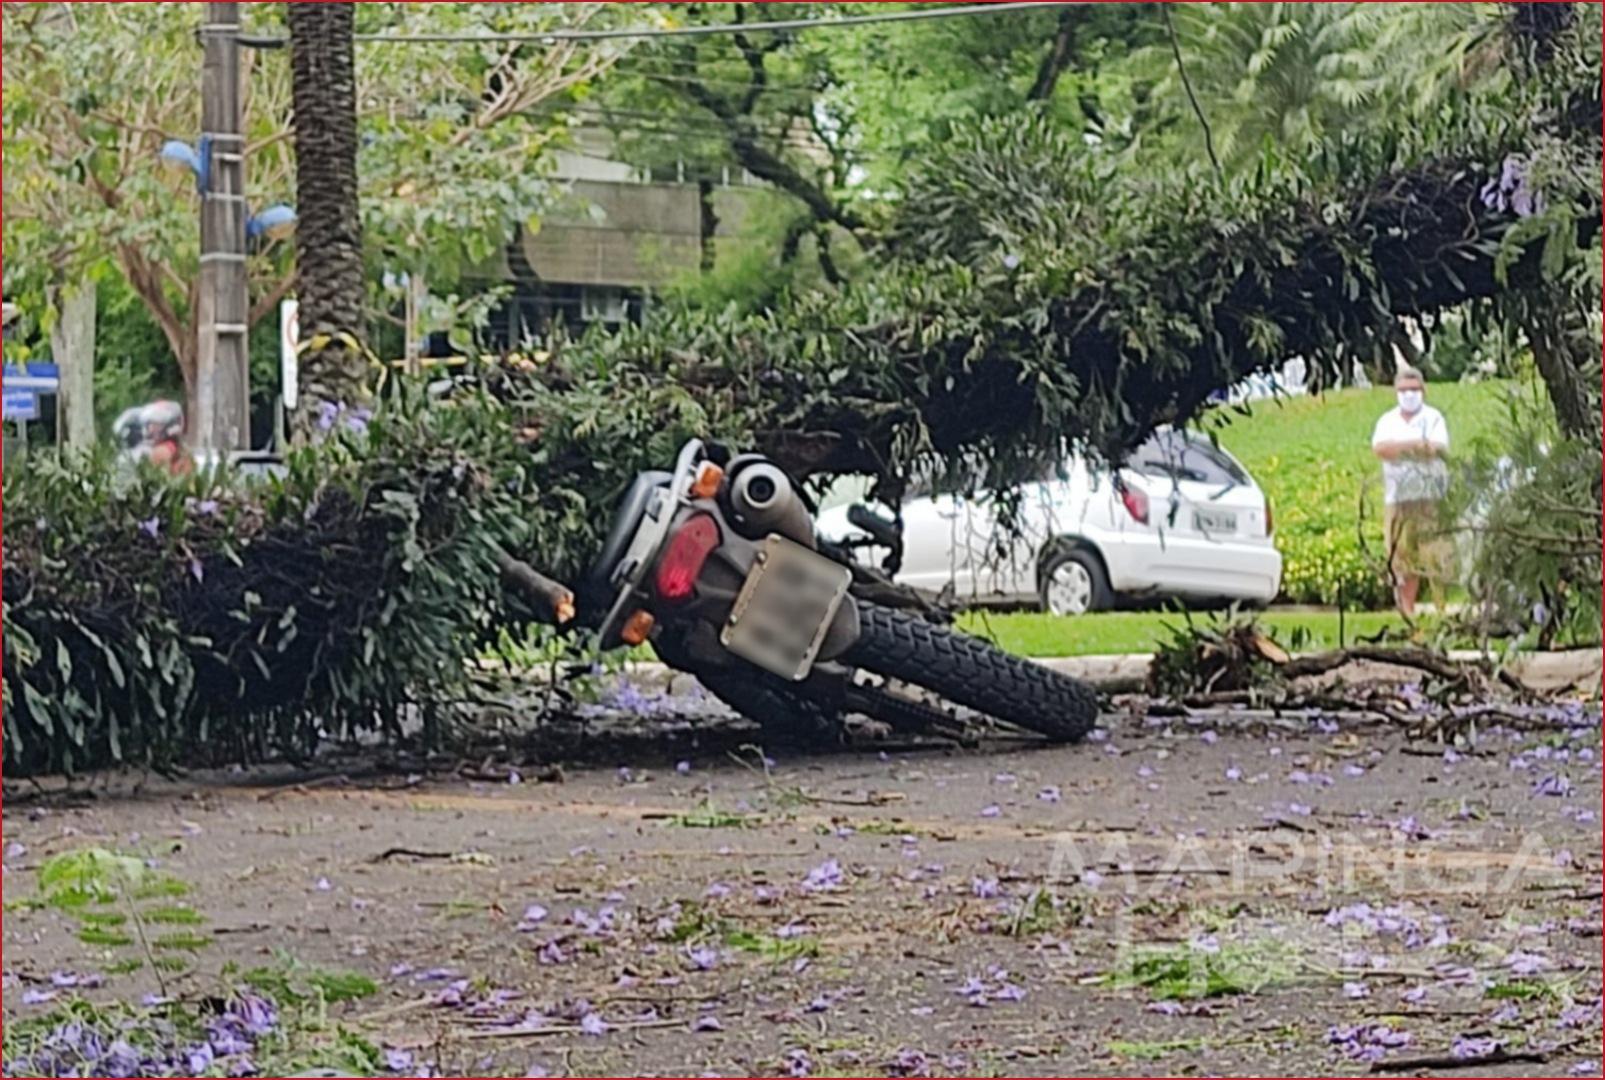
{"x":1215,"y":521}
{"x":785,"y":608}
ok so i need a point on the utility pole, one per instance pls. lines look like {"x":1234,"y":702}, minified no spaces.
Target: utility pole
{"x":222,"y":368}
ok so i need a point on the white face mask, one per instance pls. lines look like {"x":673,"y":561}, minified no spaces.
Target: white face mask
{"x":1410,"y":400}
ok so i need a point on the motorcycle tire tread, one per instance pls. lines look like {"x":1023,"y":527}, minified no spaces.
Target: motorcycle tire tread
{"x":970,"y":672}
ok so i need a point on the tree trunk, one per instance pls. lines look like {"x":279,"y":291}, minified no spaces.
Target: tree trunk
{"x":1567,"y":362}
{"x":72,"y":346}
{"x":334,"y":366}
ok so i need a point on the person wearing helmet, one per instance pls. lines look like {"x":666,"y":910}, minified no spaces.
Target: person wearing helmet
{"x":164,"y":434}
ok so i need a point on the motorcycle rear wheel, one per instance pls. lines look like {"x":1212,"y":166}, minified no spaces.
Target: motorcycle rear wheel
{"x":970,"y":672}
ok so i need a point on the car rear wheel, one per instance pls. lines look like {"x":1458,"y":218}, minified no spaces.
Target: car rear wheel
{"x":1074,"y":583}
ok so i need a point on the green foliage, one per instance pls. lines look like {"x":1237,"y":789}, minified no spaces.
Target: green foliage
{"x":231,"y":621}
{"x":1180,"y":972}
{"x":768,"y":947}
{"x":118,"y":902}
{"x":1528,"y":499}
{"x":292,"y":982}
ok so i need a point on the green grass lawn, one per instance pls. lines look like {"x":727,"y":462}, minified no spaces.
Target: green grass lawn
{"x":1029,"y":633}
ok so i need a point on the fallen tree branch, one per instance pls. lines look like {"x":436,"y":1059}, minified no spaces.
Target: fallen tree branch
{"x":1448,"y":1061}
{"x":1412,"y":657}
{"x":546,"y":594}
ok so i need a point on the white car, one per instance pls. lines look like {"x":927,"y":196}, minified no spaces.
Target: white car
{"x":1182,"y":519}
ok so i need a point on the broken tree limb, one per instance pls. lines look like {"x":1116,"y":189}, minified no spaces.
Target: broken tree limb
{"x":547,"y":595}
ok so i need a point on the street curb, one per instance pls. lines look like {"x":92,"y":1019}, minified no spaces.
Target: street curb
{"x":1126,"y":673}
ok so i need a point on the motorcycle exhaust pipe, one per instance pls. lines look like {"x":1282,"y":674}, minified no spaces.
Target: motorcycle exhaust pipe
{"x":763,"y":499}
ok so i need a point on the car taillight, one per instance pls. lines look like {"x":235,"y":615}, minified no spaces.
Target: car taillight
{"x":682,"y":561}
{"x":1270,"y":525}
{"x":1136,"y":503}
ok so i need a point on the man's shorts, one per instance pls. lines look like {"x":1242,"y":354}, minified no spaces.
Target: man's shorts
{"x":1418,"y":543}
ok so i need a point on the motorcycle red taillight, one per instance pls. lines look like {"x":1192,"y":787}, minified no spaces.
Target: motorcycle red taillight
{"x":1136,"y":503}
{"x":682,"y":560}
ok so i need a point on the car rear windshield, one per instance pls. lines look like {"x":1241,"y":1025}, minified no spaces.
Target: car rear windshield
{"x":1173,"y":455}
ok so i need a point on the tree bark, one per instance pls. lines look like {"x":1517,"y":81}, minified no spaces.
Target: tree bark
{"x":334,"y":367}
{"x":1058,"y":57}
{"x":72,"y":346}
{"x":1565,"y":360}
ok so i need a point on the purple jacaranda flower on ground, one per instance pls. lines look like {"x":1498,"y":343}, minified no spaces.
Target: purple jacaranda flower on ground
{"x":1508,"y":1013}
{"x":1091,"y":878}
{"x":1300,"y":809}
{"x":1556,"y":784}
{"x":1415,"y":995}
{"x":1003,"y":778}
{"x":827,"y":875}
{"x":199,"y":1058}
{"x":1008,"y":992}
{"x":533,"y":914}
{"x":1049,"y":793}
{"x":707,"y":1022}
{"x":1525,"y":963}
{"x":551,"y":953}
{"x":398,"y":1060}
{"x":717,"y":891}
{"x":791,"y":930}
{"x":1298,"y":776}
{"x":703,"y":958}
{"x":16,"y":850}
{"x":765,"y":894}
{"x":322,"y":885}
{"x":121,"y":1060}
{"x":1473,"y":1047}
{"x":1144,"y":771}
{"x":592,"y":1024}
{"x":1579,"y":1015}
{"x":1563,"y":858}
{"x":1234,"y":774}
{"x":1011,"y":261}
{"x":151,"y":527}
{"x":797,"y":1062}
{"x":1356,"y":990}
{"x":683,"y":768}
{"x":1210,"y":737}
{"x":972,"y":987}
{"x":33,"y":996}
{"x":1367,"y":1042}
{"x":1410,"y":828}
{"x":985,"y":888}
{"x":909,"y":1063}
{"x":991,"y":811}
{"x":1097,"y":735}
{"x":1353,"y":770}
{"x":1585,"y":1068}
{"x":1208,"y":944}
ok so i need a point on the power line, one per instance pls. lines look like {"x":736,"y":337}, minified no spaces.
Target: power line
{"x":647,"y":32}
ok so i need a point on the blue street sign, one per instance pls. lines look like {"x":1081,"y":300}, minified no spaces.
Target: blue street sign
{"x":19,"y":404}
{"x":36,"y":378}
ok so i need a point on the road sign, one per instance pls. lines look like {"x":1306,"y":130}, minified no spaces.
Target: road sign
{"x":289,"y":338}
{"x":20,"y":404}
{"x":36,"y":378}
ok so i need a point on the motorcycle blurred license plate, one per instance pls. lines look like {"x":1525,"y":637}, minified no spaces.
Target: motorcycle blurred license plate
{"x":1215,"y":521}
{"x":785,"y":608}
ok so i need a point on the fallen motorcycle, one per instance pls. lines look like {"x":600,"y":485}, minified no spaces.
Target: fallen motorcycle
{"x":718,"y":566}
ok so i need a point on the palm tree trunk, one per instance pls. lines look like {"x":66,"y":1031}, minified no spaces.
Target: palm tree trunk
{"x":334,"y":367}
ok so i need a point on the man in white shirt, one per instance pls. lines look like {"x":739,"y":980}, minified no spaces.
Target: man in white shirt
{"x":1411,"y":441}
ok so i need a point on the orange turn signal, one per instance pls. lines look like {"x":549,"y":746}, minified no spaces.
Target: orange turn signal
{"x":637,"y":628}
{"x":709,"y":477}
